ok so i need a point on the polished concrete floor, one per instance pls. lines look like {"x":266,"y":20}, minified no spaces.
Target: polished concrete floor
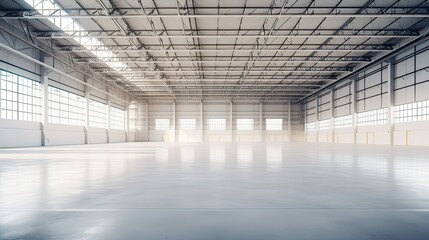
{"x":214,"y":191}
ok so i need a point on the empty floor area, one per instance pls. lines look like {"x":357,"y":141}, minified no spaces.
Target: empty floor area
{"x":214,"y":191}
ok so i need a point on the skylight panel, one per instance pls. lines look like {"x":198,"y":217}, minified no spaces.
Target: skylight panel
{"x":48,"y":7}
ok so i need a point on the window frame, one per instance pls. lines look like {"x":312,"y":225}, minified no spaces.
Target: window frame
{"x":216,"y":124}
{"x":273,"y":126}
{"x":245,"y":124}
{"x":160,"y":126}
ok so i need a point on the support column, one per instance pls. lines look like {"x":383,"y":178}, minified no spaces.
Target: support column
{"x":332,"y":116}
{"x":305,"y":121}
{"x":353,"y":109}
{"x":202,"y":121}
{"x":174,"y":121}
{"x":260,"y":122}
{"x":391,"y":101}
{"x":45,"y":103}
{"x":108,"y":118}
{"x":127,"y":121}
{"x":86,"y":128}
{"x":317,"y":119}
{"x":230,"y":121}
{"x":147,"y":121}
{"x":289,"y":121}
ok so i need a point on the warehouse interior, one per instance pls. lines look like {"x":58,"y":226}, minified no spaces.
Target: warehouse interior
{"x":214,"y":119}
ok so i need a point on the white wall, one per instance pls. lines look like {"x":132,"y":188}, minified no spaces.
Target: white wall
{"x":408,"y":76}
{"x":117,"y":136}
{"x":217,"y":109}
{"x":56,"y":134}
{"x":14,"y":133}
{"x":19,"y":133}
{"x":412,"y":133}
{"x":97,"y":135}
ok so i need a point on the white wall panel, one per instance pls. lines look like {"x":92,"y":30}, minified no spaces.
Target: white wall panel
{"x":56,"y":134}
{"x":97,"y":135}
{"x":116,"y":136}
{"x":19,"y":133}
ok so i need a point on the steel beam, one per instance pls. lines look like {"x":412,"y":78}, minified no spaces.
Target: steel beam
{"x":224,"y":89}
{"x":253,"y":36}
{"x":91,"y":61}
{"x":145,"y":80}
{"x":264,"y":8}
{"x":130,"y":86}
{"x":320,"y":30}
{"x":133,"y":70}
{"x":220,"y":45}
{"x":304,"y":49}
{"x":218,"y":94}
{"x":103,"y":15}
{"x":46,"y":66}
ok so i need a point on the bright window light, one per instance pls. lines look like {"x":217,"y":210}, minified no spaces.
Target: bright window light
{"x":325,"y":124}
{"x":97,"y":114}
{"x":310,"y":127}
{"x":274,"y":124}
{"x":188,"y":124}
{"x":162,"y":124}
{"x":67,"y":24}
{"x":66,"y":107}
{"x":244,"y":124}
{"x":343,"y":122}
{"x":411,"y":112}
{"x":217,"y":124}
{"x":20,"y":97}
{"x":117,"y":118}
{"x":374,"y":117}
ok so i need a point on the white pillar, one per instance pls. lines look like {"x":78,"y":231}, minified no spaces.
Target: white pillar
{"x":317,"y":119}
{"x":332,"y":116}
{"x":202,"y":121}
{"x":108,"y":118}
{"x":353,"y":88}
{"x":305,"y":121}
{"x":174,"y":121}
{"x":147,"y":121}
{"x":391,"y":101}
{"x":45,"y":103}
{"x":260,"y":121}
{"x":230,"y":121}
{"x":289,"y":120}
{"x":86,"y":99}
{"x":127,"y":121}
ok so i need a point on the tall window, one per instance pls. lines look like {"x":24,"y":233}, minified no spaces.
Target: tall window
{"x":162,"y":124}
{"x":244,"y":124}
{"x":217,"y":124}
{"x":343,"y":122}
{"x":188,"y":124}
{"x":65,"y":107}
{"x":117,"y":118}
{"x":325,"y":124}
{"x":411,"y":112}
{"x":374,"y":117}
{"x":310,"y":127}
{"x":20,"y":97}
{"x":274,"y":124}
{"x":97,"y":114}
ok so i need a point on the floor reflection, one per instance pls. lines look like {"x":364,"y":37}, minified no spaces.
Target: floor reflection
{"x":162,"y":157}
{"x":217,"y":156}
{"x":244,"y":156}
{"x":187,"y":156}
{"x":274,"y":155}
{"x":103,"y":191}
